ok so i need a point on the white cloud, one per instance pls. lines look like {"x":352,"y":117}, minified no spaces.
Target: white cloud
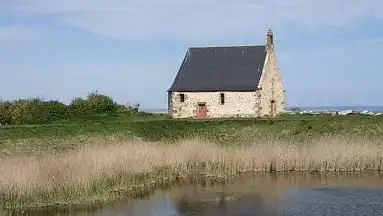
{"x":11,"y":33}
{"x":23,"y":33}
{"x":196,"y":19}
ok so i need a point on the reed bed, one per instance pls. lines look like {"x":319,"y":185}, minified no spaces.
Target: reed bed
{"x":112,"y":169}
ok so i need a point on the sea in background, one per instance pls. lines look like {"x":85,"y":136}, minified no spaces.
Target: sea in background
{"x":308,"y":108}
{"x":339,"y":108}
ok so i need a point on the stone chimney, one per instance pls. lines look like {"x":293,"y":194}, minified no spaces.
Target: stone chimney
{"x":270,"y":38}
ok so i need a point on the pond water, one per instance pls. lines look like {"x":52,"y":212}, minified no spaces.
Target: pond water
{"x":261,"y":195}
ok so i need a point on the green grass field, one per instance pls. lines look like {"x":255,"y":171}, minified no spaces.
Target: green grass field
{"x":52,"y":135}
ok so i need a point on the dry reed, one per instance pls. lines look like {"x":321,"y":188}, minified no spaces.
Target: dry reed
{"x":80,"y":175}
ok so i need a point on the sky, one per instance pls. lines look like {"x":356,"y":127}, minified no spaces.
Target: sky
{"x":329,"y":51}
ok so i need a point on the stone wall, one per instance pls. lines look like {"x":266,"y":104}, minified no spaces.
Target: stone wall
{"x":272,"y":87}
{"x":170,"y":103}
{"x":237,"y":104}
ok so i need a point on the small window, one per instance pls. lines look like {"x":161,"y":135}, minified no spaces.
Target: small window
{"x":182,"y":98}
{"x":222,"y":98}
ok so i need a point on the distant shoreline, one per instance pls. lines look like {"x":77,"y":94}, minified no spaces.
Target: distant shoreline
{"x":306,"y":108}
{"x":340,"y":108}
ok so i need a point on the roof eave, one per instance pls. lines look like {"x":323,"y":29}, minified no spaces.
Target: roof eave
{"x":214,"y":90}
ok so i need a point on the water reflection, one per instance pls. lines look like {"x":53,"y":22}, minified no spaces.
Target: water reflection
{"x":159,"y":203}
{"x":245,"y":205}
{"x":265,"y":195}
{"x":334,"y":201}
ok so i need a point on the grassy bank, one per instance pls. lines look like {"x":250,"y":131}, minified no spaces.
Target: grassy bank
{"x":74,"y":133}
{"x":108,"y":170}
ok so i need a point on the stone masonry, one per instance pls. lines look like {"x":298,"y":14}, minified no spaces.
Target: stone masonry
{"x":271,"y":85}
{"x":237,"y":104}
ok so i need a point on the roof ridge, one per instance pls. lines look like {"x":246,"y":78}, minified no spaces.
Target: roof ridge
{"x":227,"y":46}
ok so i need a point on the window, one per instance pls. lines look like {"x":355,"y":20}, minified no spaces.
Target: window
{"x":182,"y":98}
{"x":222,"y":98}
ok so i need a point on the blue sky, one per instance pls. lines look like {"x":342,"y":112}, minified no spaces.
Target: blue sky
{"x":329,"y":51}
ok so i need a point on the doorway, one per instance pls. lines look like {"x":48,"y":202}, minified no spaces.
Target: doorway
{"x":201,"y":111}
{"x":273,"y":108}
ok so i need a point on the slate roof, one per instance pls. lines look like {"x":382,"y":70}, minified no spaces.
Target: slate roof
{"x":230,"y":68}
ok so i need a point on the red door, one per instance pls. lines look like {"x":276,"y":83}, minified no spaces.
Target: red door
{"x":201,"y":111}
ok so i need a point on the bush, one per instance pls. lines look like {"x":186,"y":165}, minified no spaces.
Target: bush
{"x":36,"y":110}
{"x":31,"y":110}
{"x":5,"y":117}
{"x":18,"y":110}
{"x":56,"y":110}
{"x":79,"y":106}
{"x":101,"y":103}
{"x":95,"y":103}
{"x":127,"y":109}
